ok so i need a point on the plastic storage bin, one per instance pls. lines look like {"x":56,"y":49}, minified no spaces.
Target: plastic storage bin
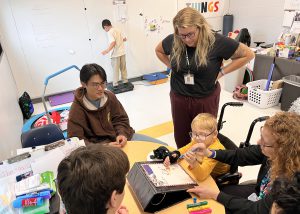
{"x":263,"y":99}
{"x":290,"y":91}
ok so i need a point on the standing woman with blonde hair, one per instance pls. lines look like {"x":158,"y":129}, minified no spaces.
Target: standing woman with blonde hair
{"x":195,"y":54}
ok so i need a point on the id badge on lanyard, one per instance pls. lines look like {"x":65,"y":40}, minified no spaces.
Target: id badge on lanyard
{"x":188,"y":78}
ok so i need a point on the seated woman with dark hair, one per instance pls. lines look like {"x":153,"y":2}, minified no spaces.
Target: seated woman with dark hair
{"x":286,"y":195}
{"x":278,"y":153}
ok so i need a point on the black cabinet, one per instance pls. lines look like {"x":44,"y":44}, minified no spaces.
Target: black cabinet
{"x":283,"y":67}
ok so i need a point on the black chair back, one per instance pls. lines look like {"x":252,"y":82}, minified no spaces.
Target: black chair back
{"x":41,"y":136}
{"x":229,"y":145}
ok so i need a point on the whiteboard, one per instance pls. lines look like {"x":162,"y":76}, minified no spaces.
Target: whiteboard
{"x":52,"y":40}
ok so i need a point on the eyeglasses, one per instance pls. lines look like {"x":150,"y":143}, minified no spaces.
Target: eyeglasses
{"x":189,"y":35}
{"x":96,"y":84}
{"x":263,"y":141}
{"x":201,"y":136}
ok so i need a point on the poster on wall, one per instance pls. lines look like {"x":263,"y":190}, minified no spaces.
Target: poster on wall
{"x":208,"y":8}
{"x":154,"y":26}
{"x":120,"y":10}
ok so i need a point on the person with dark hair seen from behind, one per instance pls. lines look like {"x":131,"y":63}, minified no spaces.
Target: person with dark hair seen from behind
{"x":286,"y":195}
{"x":91,"y":180}
{"x":195,"y":54}
{"x":278,"y":153}
{"x":96,"y":115}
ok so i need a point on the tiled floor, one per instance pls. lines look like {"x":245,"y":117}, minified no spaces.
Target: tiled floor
{"x":149,"y":105}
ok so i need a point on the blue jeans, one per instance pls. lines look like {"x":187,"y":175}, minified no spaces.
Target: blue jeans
{"x":141,"y":137}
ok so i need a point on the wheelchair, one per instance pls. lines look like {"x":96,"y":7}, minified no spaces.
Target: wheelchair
{"x":233,"y":176}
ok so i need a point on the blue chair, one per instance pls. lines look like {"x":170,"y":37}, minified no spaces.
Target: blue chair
{"x":41,"y":136}
{"x":29,"y":124}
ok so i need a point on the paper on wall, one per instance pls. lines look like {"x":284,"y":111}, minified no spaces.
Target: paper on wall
{"x":288,"y":18}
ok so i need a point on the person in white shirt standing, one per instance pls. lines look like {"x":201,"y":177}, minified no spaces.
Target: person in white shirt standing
{"x":117,"y":49}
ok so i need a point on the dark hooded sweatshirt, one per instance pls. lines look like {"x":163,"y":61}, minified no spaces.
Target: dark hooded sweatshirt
{"x":98,"y":125}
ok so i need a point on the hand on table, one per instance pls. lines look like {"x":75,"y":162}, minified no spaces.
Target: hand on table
{"x":120,"y":142}
{"x":205,"y":192}
{"x":171,"y":158}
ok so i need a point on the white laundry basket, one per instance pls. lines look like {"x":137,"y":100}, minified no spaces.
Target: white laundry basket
{"x":263,"y":99}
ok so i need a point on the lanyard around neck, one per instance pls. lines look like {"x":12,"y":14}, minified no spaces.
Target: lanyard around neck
{"x":187,"y":61}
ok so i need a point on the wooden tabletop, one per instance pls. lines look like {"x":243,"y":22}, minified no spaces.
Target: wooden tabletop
{"x":138,"y":151}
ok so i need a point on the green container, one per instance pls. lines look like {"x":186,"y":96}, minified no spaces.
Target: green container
{"x":48,"y":177}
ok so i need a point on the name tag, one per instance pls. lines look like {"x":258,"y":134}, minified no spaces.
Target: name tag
{"x":189,"y":79}
{"x":253,"y":197}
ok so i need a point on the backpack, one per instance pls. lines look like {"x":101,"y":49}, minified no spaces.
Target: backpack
{"x":244,"y":37}
{"x":26,"y":105}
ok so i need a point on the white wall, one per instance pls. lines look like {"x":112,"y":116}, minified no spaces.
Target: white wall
{"x":262,"y":18}
{"x":42,"y":37}
{"x":10,"y":41}
{"x":11,"y":119}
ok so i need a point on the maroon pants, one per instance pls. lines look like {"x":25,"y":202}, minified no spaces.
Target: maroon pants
{"x":185,"y":109}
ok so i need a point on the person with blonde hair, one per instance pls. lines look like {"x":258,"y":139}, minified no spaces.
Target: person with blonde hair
{"x":195,"y":53}
{"x":278,"y":152}
{"x":204,"y":130}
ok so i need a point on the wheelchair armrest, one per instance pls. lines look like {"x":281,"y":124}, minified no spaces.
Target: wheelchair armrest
{"x":229,"y":178}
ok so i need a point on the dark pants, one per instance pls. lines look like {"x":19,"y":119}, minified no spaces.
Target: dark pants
{"x":185,"y":109}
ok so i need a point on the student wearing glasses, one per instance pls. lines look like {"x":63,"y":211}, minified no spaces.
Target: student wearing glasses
{"x":96,"y":115}
{"x":278,"y":153}
{"x":195,"y":53}
{"x":204,"y":130}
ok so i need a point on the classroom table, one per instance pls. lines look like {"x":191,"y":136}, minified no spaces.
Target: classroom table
{"x":138,"y":151}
